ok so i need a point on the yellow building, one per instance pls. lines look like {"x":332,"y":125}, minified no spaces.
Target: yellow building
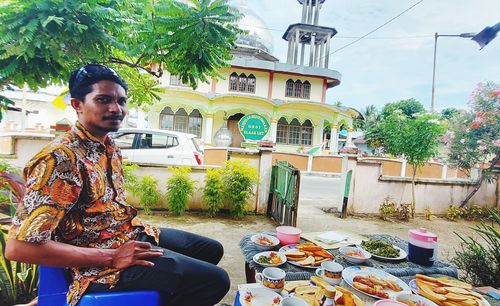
{"x":291,"y":95}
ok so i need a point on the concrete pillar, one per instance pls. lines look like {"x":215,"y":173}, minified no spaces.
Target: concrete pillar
{"x":290,"y":48}
{"x":304,"y":11}
{"x":273,"y":130}
{"x":343,"y":177}
{"x":296,"y":47}
{"x":321,"y":55}
{"x":348,"y":142}
{"x":309,"y":163}
{"x":265,"y":169}
{"x":444,"y":171}
{"x":316,"y":13}
{"x":311,"y":53}
{"x":327,"y":51}
{"x":302,"y":52}
{"x":334,"y":139}
{"x":318,"y":133}
{"x":207,"y":131}
{"x":403,"y":167}
{"x":309,"y":15}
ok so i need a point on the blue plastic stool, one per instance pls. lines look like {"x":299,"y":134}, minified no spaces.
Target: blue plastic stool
{"x":53,"y":288}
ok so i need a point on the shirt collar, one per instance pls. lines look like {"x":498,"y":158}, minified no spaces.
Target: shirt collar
{"x":85,"y":135}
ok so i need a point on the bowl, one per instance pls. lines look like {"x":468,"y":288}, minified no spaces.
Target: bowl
{"x":413,"y":299}
{"x":388,"y":302}
{"x":265,"y":242}
{"x":355,"y":255}
{"x":288,"y":234}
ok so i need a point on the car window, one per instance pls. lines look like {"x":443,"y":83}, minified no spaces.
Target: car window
{"x":124,"y":141}
{"x":158,"y":141}
{"x":195,"y":140}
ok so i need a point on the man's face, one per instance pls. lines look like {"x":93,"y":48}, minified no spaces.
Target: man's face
{"x":103,"y":109}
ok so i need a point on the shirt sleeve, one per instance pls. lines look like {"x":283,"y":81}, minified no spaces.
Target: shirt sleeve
{"x":53,"y":186}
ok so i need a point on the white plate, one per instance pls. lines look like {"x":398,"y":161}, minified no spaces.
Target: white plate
{"x":414,"y":288}
{"x":288,"y":247}
{"x":268,"y":254}
{"x":417,"y":299}
{"x":273,"y":239}
{"x":350,"y":272}
{"x":402,"y":253}
{"x":259,"y":296}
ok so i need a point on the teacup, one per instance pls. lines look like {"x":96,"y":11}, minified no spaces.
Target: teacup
{"x":331,"y":272}
{"x":293,"y":301}
{"x":272,"y":278}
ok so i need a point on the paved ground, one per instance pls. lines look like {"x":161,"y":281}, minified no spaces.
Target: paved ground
{"x":311,"y":218}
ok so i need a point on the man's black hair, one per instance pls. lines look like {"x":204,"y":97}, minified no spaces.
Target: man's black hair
{"x":82,"y":79}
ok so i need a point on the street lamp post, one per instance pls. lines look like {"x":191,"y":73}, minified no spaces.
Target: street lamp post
{"x":436,"y":35}
{"x":482,"y":38}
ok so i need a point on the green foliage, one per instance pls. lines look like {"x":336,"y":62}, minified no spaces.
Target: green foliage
{"x":213,"y":192}
{"x":4,"y":104}
{"x":179,"y":189}
{"x":370,"y":116}
{"x":474,"y":212}
{"x":408,"y":107}
{"x":480,"y":260}
{"x":17,"y":280}
{"x":428,"y":213}
{"x":387,"y":209}
{"x":450,"y":112}
{"x":239,"y":179}
{"x":453,"y":213}
{"x":41,"y":41}
{"x":149,"y":195}
{"x":131,"y":180}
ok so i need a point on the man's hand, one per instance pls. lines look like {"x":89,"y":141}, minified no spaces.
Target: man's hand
{"x":133,"y":253}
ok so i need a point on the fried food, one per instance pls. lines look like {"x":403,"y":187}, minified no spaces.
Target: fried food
{"x":308,"y":254}
{"x":447,"y":292}
{"x":370,"y":290}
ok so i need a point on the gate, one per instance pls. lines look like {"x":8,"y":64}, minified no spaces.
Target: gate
{"x":284,"y":193}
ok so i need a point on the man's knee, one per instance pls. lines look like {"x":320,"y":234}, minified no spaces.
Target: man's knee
{"x":218,"y":250}
{"x":221,"y":278}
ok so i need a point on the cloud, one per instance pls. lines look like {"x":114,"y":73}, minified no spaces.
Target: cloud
{"x":377,"y":71}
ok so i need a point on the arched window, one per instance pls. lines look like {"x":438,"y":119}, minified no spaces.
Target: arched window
{"x":233,"y":82}
{"x":251,"y":83}
{"x":289,"y":88}
{"x":242,"y":82}
{"x":298,"y":89}
{"x":306,"y":90}
{"x":181,"y":121}
{"x":294,"y":133}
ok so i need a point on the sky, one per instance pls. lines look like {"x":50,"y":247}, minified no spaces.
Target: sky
{"x":395,"y":62}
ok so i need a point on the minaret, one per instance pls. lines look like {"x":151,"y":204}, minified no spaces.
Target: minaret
{"x":309,"y":33}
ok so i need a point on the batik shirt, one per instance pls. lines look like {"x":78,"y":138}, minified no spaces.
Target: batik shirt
{"x":75,"y":194}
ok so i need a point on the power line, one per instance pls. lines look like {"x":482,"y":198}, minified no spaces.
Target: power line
{"x":377,"y":28}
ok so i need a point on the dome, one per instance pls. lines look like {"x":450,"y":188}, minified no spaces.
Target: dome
{"x":258,"y":36}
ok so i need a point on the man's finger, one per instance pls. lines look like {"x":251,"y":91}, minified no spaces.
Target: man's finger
{"x":144,"y":263}
{"x":143,"y":244}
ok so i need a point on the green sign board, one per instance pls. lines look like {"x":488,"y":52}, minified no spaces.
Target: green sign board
{"x":253,"y":127}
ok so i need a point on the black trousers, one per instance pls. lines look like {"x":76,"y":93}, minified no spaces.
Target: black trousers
{"x":186,"y":274}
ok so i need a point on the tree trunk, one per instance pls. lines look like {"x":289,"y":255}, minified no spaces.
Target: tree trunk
{"x":480,"y":181}
{"x":413,"y":197}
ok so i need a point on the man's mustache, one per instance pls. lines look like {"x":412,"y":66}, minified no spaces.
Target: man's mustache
{"x":116,"y":117}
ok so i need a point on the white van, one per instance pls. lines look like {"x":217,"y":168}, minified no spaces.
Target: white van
{"x":158,"y":146}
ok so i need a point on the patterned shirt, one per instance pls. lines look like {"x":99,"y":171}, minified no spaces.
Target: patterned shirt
{"x":75,"y":194}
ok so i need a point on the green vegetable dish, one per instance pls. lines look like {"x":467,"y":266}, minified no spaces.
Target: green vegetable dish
{"x":380,"y":248}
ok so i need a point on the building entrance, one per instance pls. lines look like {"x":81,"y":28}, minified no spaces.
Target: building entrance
{"x":232,"y":125}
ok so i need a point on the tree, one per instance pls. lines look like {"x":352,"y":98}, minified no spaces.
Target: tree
{"x":450,"y":112}
{"x":416,"y":138}
{"x":41,"y":42}
{"x":370,"y":114}
{"x":374,"y":129}
{"x":474,"y":138}
{"x":408,"y":107}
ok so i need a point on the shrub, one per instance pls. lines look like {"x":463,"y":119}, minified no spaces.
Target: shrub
{"x":149,"y":194}
{"x":239,"y":180}
{"x":481,"y":261}
{"x":474,"y":212}
{"x":387,"y":209}
{"x":428,"y":213}
{"x":404,"y":211}
{"x":179,"y":189}
{"x":213,"y":192}
{"x":453,"y":213}
{"x":131,"y":180}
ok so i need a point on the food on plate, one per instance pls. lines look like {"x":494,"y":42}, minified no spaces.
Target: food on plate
{"x":315,"y":291}
{"x":263,"y":240}
{"x":380,"y":248}
{"x":291,"y":285}
{"x":347,"y":298}
{"x":357,"y":254}
{"x":447,"y":292}
{"x":308,"y":254}
{"x":374,"y":285}
{"x":273,"y":259}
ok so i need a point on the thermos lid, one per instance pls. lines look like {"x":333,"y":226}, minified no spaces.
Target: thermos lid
{"x":422,"y":234}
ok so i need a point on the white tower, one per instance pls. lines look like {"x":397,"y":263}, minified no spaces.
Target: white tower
{"x":309,"y":36}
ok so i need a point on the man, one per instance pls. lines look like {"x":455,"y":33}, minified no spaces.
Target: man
{"x":74,"y":212}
